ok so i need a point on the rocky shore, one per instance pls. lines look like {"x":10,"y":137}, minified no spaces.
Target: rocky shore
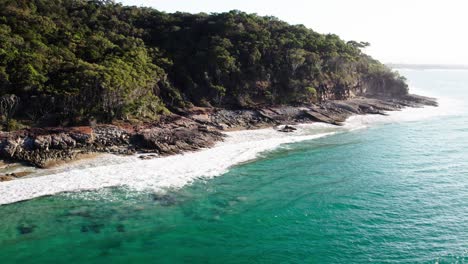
{"x":186,"y":131}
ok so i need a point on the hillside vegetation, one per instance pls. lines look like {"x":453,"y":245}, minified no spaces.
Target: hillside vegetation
{"x":66,"y":62}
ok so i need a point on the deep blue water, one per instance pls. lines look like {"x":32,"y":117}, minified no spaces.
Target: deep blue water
{"x":395,"y":192}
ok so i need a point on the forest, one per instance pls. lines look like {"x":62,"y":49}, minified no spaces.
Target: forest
{"x":72,"y":62}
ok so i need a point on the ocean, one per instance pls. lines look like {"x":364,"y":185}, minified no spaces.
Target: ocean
{"x":380,"y":189}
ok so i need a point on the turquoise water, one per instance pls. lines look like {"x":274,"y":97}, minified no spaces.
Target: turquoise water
{"x":391,"y":193}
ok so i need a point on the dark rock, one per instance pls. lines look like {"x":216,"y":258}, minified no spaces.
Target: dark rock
{"x":148,"y":157}
{"x":43,"y":142}
{"x":287,"y":129}
{"x":62,"y":141}
{"x":20,"y":174}
{"x":187,"y":136}
{"x":109,"y":135}
{"x":82,"y":138}
{"x":317,"y":116}
{"x":10,"y":147}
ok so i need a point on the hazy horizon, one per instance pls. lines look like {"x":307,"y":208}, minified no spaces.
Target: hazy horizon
{"x":400,"y":32}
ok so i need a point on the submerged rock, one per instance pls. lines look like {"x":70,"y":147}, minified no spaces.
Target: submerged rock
{"x":95,"y":228}
{"x":120,"y":228}
{"x":164,"y":199}
{"x":25,"y":229}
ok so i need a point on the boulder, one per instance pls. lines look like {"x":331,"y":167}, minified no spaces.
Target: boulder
{"x":287,"y":129}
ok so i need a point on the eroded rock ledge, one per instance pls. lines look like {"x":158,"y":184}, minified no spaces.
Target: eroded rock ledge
{"x":190,"y":130}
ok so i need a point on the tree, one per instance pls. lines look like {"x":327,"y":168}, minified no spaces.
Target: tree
{"x":72,"y":60}
{"x":359,"y":45}
{"x":8,"y":105}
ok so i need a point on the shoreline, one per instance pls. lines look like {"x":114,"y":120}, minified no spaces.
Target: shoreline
{"x":140,"y":175}
{"x":191,"y":130}
{"x":173,"y":171}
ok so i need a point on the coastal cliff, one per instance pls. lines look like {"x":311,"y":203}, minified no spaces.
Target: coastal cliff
{"x":80,"y":77}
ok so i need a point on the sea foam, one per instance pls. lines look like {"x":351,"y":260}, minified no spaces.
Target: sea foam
{"x":179,"y":170}
{"x":160,"y":173}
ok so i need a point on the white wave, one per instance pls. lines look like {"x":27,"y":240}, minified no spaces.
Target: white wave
{"x":447,"y":107}
{"x":180,"y":170}
{"x":157,"y":174}
{"x":429,"y":70}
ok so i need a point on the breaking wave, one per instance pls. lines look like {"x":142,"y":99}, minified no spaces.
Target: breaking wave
{"x":179,"y":170}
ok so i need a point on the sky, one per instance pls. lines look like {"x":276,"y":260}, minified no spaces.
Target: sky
{"x":400,"y":31}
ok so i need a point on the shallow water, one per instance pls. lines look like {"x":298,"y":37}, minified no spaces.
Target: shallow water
{"x":381,"y":189}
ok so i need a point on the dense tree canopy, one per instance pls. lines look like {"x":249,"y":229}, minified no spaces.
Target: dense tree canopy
{"x":69,"y":61}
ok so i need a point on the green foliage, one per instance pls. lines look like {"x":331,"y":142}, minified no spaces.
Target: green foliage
{"x":311,"y":92}
{"x":147,"y":107}
{"x":79,"y":60}
{"x":8,"y":106}
{"x":13,"y":125}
